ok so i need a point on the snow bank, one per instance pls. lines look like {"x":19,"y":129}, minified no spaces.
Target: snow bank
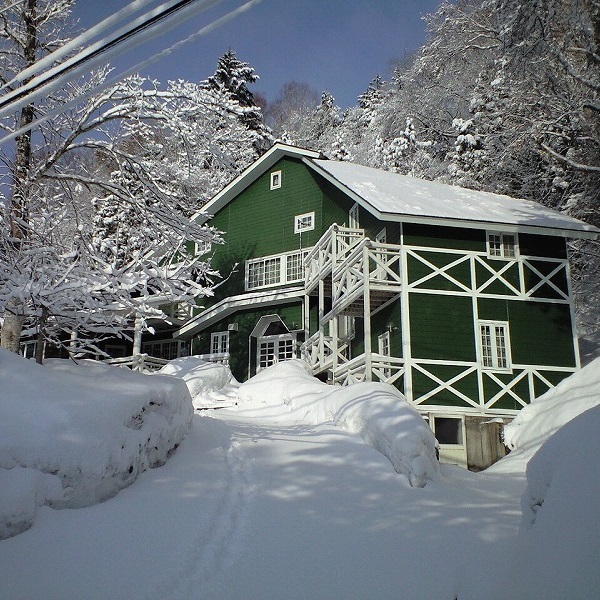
{"x":375,"y":411}
{"x":545,"y":415}
{"x":74,"y":435}
{"x":559,"y":544}
{"x":202,"y":379}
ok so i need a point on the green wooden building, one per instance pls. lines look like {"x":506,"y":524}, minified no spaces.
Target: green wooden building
{"x":459,"y":298}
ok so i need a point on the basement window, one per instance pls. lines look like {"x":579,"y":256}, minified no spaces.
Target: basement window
{"x":448,"y":430}
{"x":502,"y":245}
{"x":275,"y":180}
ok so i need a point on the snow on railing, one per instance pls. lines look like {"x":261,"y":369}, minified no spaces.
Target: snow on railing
{"x":139,"y":362}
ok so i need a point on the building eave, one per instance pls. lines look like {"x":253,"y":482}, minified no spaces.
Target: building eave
{"x":232,"y":304}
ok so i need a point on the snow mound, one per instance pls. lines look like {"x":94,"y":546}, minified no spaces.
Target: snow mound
{"x":211,"y":385}
{"x":74,"y":435}
{"x":377,"y":412}
{"x":201,"y":377}
{"x":545,"y":415}
{"x":559,"y":544}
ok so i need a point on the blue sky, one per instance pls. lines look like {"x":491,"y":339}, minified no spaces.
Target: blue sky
{"x":333,"y":45}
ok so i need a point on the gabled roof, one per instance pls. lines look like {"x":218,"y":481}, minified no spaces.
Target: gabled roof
{"x":390,"y":196}
{"x":393,"y":197}
{"x":251,"y":174}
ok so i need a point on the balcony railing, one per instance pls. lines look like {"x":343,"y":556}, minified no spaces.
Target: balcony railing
{"x":387,"y":369}
{"x":333,"y":247}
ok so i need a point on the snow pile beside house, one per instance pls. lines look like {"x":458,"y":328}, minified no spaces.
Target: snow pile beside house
{"x":74,"y":435}
{"x":545,"y":415}
{"x":559,"y":544}
{"x":202,"y":378}
{"x":375,"y":411}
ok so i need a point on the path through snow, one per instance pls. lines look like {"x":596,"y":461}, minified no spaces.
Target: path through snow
{"x":257,"y":510}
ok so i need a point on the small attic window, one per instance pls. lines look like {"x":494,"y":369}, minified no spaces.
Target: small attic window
{"x":502,"y":245}
{"x":275,"y":180}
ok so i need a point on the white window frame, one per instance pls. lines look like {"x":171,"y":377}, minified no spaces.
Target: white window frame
{"x":284,"y":348}
{"x":384,"y":347}
{"x":275,"y":181}
{"x":219,"y":342}
{"x":202,"y":247}
{"x":494,"y":350}
{"x":167,"y":349}
{"x":354,"y":217}
{"x":499,"y":247}
{"x":277,"y":267}
{"x":304,"y":222}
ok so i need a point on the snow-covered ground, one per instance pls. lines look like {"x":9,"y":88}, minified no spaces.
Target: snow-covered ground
{"x":298,"y":491}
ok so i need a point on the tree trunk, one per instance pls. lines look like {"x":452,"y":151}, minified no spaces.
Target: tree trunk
{"x":39,"y":347}
{"x":19,"y":205}
{"x":10,"y":335}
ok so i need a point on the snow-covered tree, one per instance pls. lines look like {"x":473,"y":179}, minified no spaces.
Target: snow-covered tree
{"x":134,"y":146}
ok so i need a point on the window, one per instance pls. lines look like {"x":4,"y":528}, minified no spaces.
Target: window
{"x":502,"y":245}
{"x":384,"y":350}
{"x":305,"y":222}
{"x":219,"y":342}
{"x":201,"y":247}
{"x":275,"y":180}
{"x":494,"y":344}
{"x":448,"y":430}
{"x":275,"y":270}
{"x":353,"y":217}
{"x":167,"y":349}
{"x":275,"y":349}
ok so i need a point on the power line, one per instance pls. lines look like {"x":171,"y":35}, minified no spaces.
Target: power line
{"x":111,"y":82}
{"x":125,"y":37}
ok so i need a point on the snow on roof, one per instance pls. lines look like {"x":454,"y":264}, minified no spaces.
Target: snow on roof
{"x":391,"y":194}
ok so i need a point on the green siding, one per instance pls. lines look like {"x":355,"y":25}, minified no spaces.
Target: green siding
{"x":541,"y":333}
{"x":246,"y":320}
{"x":444,"y":237}
{"x":542,"y":245}
{"x":441,"y":327}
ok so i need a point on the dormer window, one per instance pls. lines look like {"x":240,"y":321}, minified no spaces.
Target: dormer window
{"x":275,"y":180}
{"x":502,"y":245}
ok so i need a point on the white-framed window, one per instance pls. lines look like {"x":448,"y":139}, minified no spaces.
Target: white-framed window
{"x":449,"y":431}
{"x":274,"y":349}
{"x":353,"y":217}
{"x":346,"y":327}
{"x":202,"y":247}
{"x":275,"y":180}
{"x":502,"y":245}
{"x":305,"y":222}
{"x":167,"y":349}
{"x":384,"y":349}
{"x":494,"y":344}
{"x":279,"y":269}
{"x":219,"y":342}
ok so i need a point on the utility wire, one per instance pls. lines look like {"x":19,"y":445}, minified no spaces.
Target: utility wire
{"x":127,"y":38}
{"x":107,"y":84}
{"x":76,"y":43}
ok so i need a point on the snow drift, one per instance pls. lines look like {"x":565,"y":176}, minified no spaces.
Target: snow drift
{"x":547,"y":414}
{"x":201,"y":378}
{"x":74,"y":435}
{"x":375,"y":411}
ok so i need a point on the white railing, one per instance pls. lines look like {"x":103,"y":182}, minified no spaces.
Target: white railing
{"x":332,"y":248}
{"x":139,"y":362}
{"x":215,"y":357}
{"x":387,"y":369}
